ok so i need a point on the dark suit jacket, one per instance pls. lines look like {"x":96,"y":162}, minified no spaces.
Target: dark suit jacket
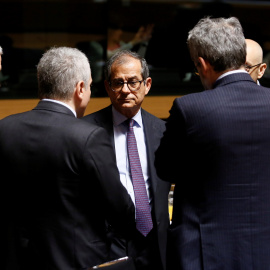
{"x":62,"y":183}
{"x":153,"y":128}
{"x":216,"y":149}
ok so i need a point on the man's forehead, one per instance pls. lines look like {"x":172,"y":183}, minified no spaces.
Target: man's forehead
{"x":126,"y":76}
{"x":127,"y":69}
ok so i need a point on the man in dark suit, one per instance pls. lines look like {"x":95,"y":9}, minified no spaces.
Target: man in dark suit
{"x":127,"y":82}
{"x":61,"y":180}
{"x":254,"y":60}
{"x":216,"y":149}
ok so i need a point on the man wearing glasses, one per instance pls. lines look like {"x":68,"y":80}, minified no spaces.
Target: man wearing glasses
{"x":254,"y":60}
{"x":127,"y":82}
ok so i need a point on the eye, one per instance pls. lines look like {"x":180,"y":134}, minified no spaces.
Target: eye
{"x":132,"y":83}
{"x":117,"y":83}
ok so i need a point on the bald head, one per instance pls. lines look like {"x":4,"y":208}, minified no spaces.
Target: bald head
{"x":255,"y":57}
{"x":254,"y":52}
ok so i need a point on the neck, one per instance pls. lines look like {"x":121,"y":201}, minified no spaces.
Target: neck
{"x":128,"y":112}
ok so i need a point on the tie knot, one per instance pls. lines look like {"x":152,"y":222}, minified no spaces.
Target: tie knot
{"x":131,"y":123}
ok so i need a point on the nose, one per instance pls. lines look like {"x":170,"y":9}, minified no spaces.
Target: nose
{"x":125,"y":88}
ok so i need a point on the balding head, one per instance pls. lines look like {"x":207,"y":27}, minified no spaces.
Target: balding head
{"x":255,"y":57}
{"x":254,"y":51}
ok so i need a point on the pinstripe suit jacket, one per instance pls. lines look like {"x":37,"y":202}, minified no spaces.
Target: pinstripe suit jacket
{"x":216,"y":148}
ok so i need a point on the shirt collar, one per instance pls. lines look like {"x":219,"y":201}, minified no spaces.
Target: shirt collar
{"x":62,"y":103}
{"x":231,"y":72}
{"x":119,"y":118}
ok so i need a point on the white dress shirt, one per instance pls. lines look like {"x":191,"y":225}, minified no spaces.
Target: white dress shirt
{"x":62,"y":103}
{"x":231,"y":72}
{"x":120,"y":141}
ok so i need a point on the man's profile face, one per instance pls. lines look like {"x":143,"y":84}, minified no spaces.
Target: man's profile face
{"x":254,"y":71}
{"x":126,"y":101}
{"x":254,"y":60}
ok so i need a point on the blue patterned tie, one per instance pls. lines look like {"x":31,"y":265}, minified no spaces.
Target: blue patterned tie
{"x":144,"y":222}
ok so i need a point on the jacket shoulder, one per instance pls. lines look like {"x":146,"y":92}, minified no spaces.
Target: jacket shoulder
{"x":151,"y":120}
{"x":98,"y":116}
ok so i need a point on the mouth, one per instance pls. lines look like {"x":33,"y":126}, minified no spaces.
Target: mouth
{"x":125,"y":99}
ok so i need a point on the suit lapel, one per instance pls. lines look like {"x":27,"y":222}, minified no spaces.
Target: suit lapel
{"x":150,"y":131}
{"x":106,"y":121}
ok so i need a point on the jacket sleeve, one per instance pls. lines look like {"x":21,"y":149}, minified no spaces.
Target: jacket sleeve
{"x":169,"y":157}
{"x":100,"y":161}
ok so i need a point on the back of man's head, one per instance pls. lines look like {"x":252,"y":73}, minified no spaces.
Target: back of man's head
{"x":220,"y":41}
{"x":59,"y":70}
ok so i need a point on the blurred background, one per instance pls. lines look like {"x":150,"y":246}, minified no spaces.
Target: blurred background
{"x":157,"y":29}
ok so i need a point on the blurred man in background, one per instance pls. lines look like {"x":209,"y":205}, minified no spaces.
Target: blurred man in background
{"x":254,"y":60}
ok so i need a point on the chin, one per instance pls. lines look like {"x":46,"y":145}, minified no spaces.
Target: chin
{"x":126,"y":104}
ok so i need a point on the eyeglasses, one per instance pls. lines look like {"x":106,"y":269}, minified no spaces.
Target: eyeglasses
{"x":196,"y":69}
{"x":248,"y":68}
{"x":117,"y":86}
{"x":196,"y":72}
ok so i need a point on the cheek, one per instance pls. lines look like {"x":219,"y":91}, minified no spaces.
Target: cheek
{"x":139,"y":97}
{"x":114,"y":96}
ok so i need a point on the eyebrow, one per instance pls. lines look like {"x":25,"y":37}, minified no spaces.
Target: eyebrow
{"x":133,"y":77}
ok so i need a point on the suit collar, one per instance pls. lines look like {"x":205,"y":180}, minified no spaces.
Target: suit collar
{"x":119,"y":118}
{"x":150,"y":129}
{"x":232,"y":78}
{"x":62,"y":103}
{"x":54,"y":107}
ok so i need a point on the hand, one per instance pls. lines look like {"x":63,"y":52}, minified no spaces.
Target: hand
{"x":147,"y":34}
{"x":144,"y":34}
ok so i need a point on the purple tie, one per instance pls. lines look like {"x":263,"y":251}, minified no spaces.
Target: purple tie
{"x":144,"y":222}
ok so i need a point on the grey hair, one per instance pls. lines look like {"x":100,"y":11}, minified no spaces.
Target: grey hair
{"x":59,"y":70}
{"x":1,"y":50}
{"x":220,"y":41}
{"x":122,"y":57}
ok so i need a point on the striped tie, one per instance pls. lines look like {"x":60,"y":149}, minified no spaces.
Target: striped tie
{"x":144,"y":222}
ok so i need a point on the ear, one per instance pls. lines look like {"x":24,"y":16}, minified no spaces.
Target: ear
{"x":203,"y":65}
{"x":79,"y":90}
{"x":262,"y":69}
{"x":148,"y":84}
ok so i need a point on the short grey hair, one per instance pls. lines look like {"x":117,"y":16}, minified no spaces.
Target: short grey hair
{"x":59,"y":70}
{"x":122,"y":57}
{"x":1,"y":50}
{"x":220,"y":41}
